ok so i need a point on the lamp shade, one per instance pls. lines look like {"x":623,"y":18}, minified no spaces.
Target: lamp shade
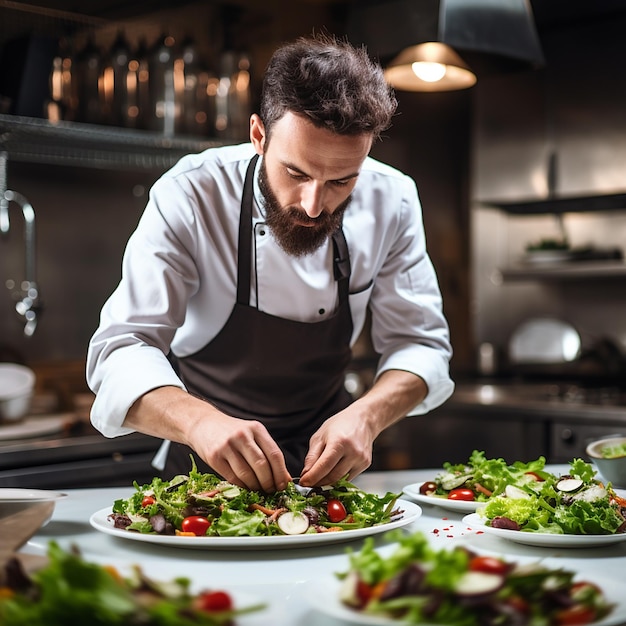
{"x":431,"y":66}
{"x":487,"y":36}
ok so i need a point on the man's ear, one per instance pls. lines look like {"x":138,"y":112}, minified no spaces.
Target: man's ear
{"x":257,"y":133}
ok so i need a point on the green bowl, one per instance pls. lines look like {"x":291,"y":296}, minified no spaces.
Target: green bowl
{"x":613,"y":469}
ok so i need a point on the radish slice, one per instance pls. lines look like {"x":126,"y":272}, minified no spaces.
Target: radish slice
{"x":569,"y":484}
{"x":513,"y":492}
{"x":478,"y":583}
{"x":293,"y":523}
{"x":452,"y":481}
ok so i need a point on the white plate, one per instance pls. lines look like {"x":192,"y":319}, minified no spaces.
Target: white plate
{"x":460,"y":506}
{"x":328,"y":588}
{"x":10,"y":494}
{"x":100,"y":522}
{"x":544,"y":539}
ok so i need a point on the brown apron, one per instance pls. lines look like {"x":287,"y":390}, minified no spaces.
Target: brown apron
{"x":289,"y":375}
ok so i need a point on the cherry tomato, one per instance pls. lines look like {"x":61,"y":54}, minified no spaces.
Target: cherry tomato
{"x":488,"y":564}
{"x":196,"y":524}
{"x":336,"y":511}
{"x":364,"y":592}
{"x":461,"y":494}
{"x":215,"y":601}
{"x":147,"y":501}
{"x":428,"y":488}
{"x":575,"y":615}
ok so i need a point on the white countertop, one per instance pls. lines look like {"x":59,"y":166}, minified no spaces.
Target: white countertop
{"x":284,"y":578}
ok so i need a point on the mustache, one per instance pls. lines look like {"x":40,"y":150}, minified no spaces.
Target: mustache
{"x":299,"y":215}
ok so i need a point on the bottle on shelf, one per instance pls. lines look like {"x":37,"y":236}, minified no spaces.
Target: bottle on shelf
{"x":88,"y":78}
{"x":166,"y":81}
{"x":233,"y":100}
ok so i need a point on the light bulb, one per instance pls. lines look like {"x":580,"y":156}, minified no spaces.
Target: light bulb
{"x":429,"y":72}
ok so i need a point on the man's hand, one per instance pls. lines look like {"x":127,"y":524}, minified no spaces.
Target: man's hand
{"x":343,"y":444}
{"x":241,"y":451}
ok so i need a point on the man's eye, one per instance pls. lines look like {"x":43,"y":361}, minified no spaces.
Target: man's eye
{"x":296,"y":175}
{"x":340,"y":183}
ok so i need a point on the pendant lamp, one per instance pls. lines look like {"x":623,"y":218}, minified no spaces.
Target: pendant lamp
{"x":443,"y":45}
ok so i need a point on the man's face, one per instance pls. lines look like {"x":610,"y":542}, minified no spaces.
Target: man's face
{"x":296,"y":232}
{"x":306,"y":177}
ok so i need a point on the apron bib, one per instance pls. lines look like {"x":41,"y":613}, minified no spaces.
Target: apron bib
{"x":289,"y":375}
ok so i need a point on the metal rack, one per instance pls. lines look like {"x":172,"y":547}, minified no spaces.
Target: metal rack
{"x":35,"y":140}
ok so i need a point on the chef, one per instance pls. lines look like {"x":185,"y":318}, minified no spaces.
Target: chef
{"x":248,"y":279}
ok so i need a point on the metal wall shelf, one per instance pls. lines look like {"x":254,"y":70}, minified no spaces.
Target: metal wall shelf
{"x":35,"y":140}
{"x":566,"y":204}
{"x":565,"y":271}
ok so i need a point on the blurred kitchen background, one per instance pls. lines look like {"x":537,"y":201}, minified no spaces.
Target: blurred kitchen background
{"x":522,"y":179}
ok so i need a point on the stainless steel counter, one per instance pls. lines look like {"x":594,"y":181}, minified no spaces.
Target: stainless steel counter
{"x":75,"y":456}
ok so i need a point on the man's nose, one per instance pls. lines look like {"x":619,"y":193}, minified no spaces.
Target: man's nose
{"x":312,"y":199}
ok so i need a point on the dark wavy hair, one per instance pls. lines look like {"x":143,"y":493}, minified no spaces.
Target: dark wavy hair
{"x":334,"y":84}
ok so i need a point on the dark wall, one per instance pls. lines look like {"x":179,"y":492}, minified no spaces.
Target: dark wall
{"x":85,"y":216}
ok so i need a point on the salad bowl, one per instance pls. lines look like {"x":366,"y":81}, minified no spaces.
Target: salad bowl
{"x":609,"y":456}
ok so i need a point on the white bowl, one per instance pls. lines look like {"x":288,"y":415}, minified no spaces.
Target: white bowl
{"x":14,"y":500}
{"x":611,"y":469}
{"x":17,"y":387}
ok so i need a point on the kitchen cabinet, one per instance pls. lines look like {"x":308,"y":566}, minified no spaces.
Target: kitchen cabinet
{"x":452,"y":432}
{"x":515,"y":421}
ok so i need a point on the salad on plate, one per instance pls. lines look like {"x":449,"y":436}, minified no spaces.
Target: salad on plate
{"x":573,"y":504}
{"x":480,"y":478}
{"x":69,"y":590}
{"x":419,"y":584}
{"x":205,"y":505}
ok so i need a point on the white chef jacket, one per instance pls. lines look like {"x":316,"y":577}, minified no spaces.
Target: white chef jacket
{"x":179,"y":274}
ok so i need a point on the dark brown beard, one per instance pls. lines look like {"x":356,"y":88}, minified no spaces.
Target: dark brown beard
{"x":293,"y":238}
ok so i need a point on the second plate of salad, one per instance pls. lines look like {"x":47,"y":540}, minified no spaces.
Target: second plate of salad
{"x":464,"y":487}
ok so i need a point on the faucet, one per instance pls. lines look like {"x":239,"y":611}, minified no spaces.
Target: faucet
{"x":28,"y":304}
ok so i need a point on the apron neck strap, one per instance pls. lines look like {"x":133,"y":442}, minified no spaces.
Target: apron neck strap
{"x":244,"y":253}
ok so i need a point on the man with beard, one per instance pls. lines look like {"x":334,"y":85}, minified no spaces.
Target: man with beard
{"x":248,"y":279}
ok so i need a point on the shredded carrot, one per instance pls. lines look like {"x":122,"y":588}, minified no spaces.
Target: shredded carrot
{"x":483,"y":490}
{"x":378,"y":589}
{"x":263,"y":509}
{"x":182,"y":533}
{"x":620,"y":501}
{"x":114,"y":572}
{"x":329,"y":529}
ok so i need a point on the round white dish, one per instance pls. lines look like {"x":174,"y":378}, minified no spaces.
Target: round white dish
{"x":17,"y":385}
{"x":459,"y":506}
{"x":328,"y":588}
{"x":547,"y":540}
{"x":14,"y":500}
{"x":100,"y":522}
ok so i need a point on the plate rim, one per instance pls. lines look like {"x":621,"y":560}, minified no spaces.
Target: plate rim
{"x":612,"y":588}
{"x":31,"y":495}
{"x":98,"y":521}
{"x":459,"y":506}
{"x":548,"y":540}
